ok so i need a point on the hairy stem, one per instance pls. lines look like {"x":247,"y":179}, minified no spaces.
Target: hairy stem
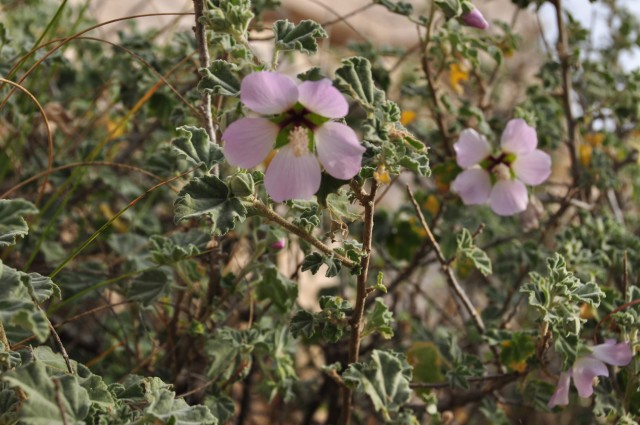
{"x":266,"y":212}
{"x":368,"y":202}
{"x":3,"y":338}
{"x":203,"y":53}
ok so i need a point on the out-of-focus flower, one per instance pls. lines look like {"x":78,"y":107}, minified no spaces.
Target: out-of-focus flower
{"x":407,"y":117}
{"x":382,"y":175}
{"x":296,"y":120}
{"x":586,"y":368}
{"x":457,"y":74}
{"x":475,"y":19}
{"x":500,"y":179}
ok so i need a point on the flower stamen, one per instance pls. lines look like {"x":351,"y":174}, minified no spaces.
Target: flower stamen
{"x":299,"y":140}
{"x":502,"y":172}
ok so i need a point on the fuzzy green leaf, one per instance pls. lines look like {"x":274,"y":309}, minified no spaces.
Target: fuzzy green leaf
{"x":277,"y":288}
{"x":301,"y":37}
{"x":379,"y":320}
{"x":355,"y":79}
{"x":219,"y":78}
{"x":194,"y":145}
{"x":12,"y":222}
{"x":467,"y":249}
{"x":210,"y":196}
{"x":147,"y":287}
{"x":170,"y":410}
{"x":385,"y":379}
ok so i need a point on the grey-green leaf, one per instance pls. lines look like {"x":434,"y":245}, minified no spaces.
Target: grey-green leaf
{"x":301,"y":37}
{"x":12,"y":222}
{"x":354,"y":77}
{"x":147,"y":287}
{"x":219,"y":78}
{"x":210,"y":196}
{"x":196,"y":147}
{"x":166,"y":408}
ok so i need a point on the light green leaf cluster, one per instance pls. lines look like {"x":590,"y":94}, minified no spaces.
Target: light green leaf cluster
{"x":12,"y":222}
{"x":467,"y":249}
{"x":196,"y":147}
{"x":301,"y":37}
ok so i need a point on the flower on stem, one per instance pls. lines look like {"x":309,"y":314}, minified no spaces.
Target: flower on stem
{"x":586,"y":368}
{"x":296,"y":120}
{"x":500,"y":179}
{"x":475,"y":19}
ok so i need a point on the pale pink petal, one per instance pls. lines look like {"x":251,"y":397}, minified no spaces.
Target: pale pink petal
{"x":248,"y":141}
{"x":518,"y":137}
{"x":339,"y":150}
{"x":508,"y":197}
{"x":561,"y":396}
{"x":292,"y":177}
{"x":268,"y":92}
{"x":473,"y":186}
{"x":532,"y":168}
{"x":322,"y":98}
{"x":612,"y":353}
{"x":584,"y":370}
{"x":471,"y":148}
{"x":475,"y":19}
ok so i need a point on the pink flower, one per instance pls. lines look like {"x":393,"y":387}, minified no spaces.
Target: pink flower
{"x":475,"y":19}
{"x":500,"y":180}
{"x":588,"y":367}
{"x":279,"y":244}
{"x":298,"y":117}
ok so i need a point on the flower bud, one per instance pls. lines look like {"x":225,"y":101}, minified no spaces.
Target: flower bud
{"x":475,"y":19}
{"x":279,"y":244}
{"x":242,"y":185}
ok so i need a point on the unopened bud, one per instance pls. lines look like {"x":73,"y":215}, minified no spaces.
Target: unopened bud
{"x":475,"y":19}
{"x":279,"y":244}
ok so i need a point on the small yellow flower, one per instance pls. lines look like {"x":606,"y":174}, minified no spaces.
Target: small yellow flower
{"x":457,"y":74}
{"x":518,"y":366}
{"x":586,"y":311}
{"x":407,"y":117}
{"x":584,"y":154}
{"x":432,"y":204}
{"x":382,"y":175}
{"x":594,"y":139}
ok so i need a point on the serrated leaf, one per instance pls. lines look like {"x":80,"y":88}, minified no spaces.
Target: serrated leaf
{"x":303,"y":323}
{"x":16,"y":305}
{"x":379,"y":319}
{"x":450,"y":8}
{"x":467,"y":249}
{"x":41,"y":287}
{"x":170,"y":410}
{"x":354,"y":78}
{"x":12,"y":222}
{"x":301,"y":37}
{"x":219,"y":78}
{"x":210,"y":196}
{"x":401,"y":8}
{"x":169,"y":250}
{"x":147,"y":287}
{"x":197,"y":148}
{"x":385,"y":379}
{"x":277,"y":288}
{"x":40,"y":407}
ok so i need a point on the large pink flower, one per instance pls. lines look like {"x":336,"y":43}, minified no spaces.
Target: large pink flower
{"x":588,"y":367}
{"x":298,"y":118}
{"x":500,"y":179}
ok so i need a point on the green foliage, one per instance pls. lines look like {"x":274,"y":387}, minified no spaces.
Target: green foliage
{"x":12,"y":222}
{"x":379,"y":319}
{"x":399,"y":7}
{"x":354,"y":78}
{"x":147,"y":287}
{"x":220,"y":78}
{"x":209,"y":196}
{"x":467,"y":249}
{"x":196,"y":148}
{"x":385,"y":379}
{"x":331,"y":322}
{"x":278,"y":289}
{"x":301,"y":37}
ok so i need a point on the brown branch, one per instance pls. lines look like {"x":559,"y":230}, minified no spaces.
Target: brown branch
{"x":565,"y":56}
{"x":3,"y":338}
{"x":444,"y":264}
{"x":368,"y":202}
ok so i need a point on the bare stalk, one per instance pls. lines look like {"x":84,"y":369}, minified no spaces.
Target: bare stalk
{"x":368,"y":202}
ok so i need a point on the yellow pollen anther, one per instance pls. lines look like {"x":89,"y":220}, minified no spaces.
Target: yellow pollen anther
{"x":299,"y":140}
{"x":502,"y":172}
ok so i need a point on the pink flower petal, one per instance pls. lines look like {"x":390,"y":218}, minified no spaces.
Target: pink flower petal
{"x":471,"y":148}
{"x":473,"y":186}
{"x":292,"y":177}
{"x":508,"y":197}
{"x":612,"y":353}
{"x":248,"y":141}
{"x":322,"y":98}
{"x":518,"y":137}
{"x":339,"y":150}
{"x":532,"y":168}
{"x":584,"y":370}
{"x":268,"y":92}
{"x":561,"y":396}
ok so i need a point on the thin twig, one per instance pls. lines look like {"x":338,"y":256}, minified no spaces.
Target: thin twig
{"x":203,"y":52}
{"x":3,"y":338}
{"x":266,"y":212}
{"x":497,"y":377}
{"x":63,"y":414}
{"x":56,"y":337}
{"x":368,"y":202}
{"x":451,"y":278}
{"x":565,"y":56}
